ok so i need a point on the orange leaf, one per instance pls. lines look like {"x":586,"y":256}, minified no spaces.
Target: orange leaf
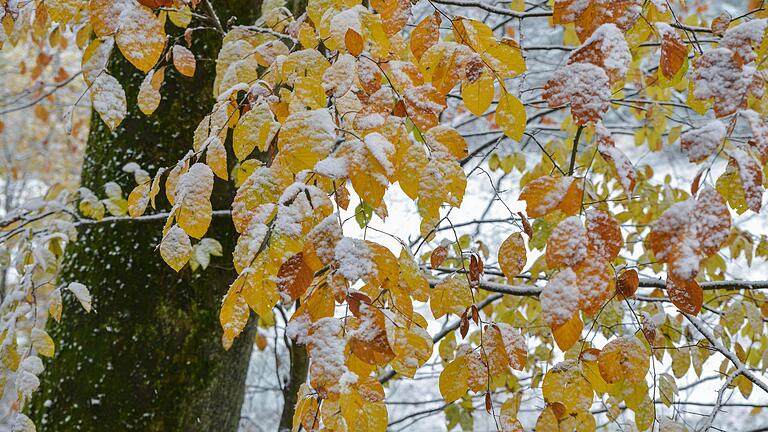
{"x":294,"y":277}
{"x":425,"y":34}
{"x":567,"y":245}
{"x":512,"y":255}
{"x":673,"y":51}
{"x":353,"y":42}
{"x":547,"y":193}
{"x":687,"y":295}
{"x":604,"y":234}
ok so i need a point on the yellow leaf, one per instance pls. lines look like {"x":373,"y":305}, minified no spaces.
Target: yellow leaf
{"x":141,"y":36}
{"x":256,"y":129}
{"x":565,"y":383}
{"x":546,"y":193}
{"x":451,"y":295}
{"x":42,"y":343}
{"x":623,"y":359}
{"x":478,"y":95}
{"x":175,"y":248}
{"x":149,"y":95}
{"x":138,"y":200}
{"x":505,"y":59}
{"x":425,"y":34}
{"x":361,"y":414}
{"x":305,"y":138}
{"x":449,"y":138}
{"x":510,"y":116}
{"x":216,"y":158}
{"x":54,"y":305}
{"x":184,"y":60}
{"x":105,"y":16}
{"x":233,"y":315}
{"x":95,"y":58}
{"x":453,"y":380}
{"x":63,"y":11}
{"x":181,"y":17}
{"x":569,"y":333}
{"x":193,"y":196}
{"x":512,"y":255}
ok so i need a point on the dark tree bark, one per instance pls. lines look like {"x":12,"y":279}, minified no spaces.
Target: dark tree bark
{"x":149,"y":357}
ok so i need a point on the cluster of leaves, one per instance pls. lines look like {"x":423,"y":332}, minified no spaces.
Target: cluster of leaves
{"x":349,"y":95}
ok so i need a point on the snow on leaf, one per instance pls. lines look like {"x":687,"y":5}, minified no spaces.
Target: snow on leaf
{"x":606,"y":48}
{"x":700,"y":143}
{"x":175,"y":248}
{"x":42,"y":343}
{"x":565,"y":383}
{"x":255,"y":130}
{"x":108,"y":99}
{"x":82,"y":294}
{"x":560,"y":298}
{"x":193,"y":199}
{"x":95,"y":58}
{"x":512,"y":255}
{"x":216,"y":157}
{"x":306,"y":138}
{"x":582,"y":85}
{"x":721,"y":75}
{"x":149,"y":94}
{"x":567,"y":245}
{"x":140,"y":36}
{"x":623,"y":359}
{"x":138,"y":199}
{"x":183,"y":60}
{"x":751,"y":177}
{"x":686,"y":294}
{"x":326,"y":348}
{"x":546,"y":194}
{"x":604,"y":234}
{"x":425,"y":34}
{"x":588,"y":15}
{"x":607,"y":149}
{"x":673,"y":51}
{"x":450,"y":295}
{"x":759,"y":133}
{"x":744,"y":38}
{"x":233,"y":315}
{"x":424,"y":103}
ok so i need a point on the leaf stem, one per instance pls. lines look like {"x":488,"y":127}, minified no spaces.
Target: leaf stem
{"x":575,"y":149}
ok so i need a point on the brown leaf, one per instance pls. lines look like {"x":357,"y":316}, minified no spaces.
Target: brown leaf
{"x":720,"y":24}
{"x":438,"y":256}
{"x":464,"y":325}
{"x":627,"y":283}
{"x":294,"y":277}
{"x":488,"y":403}
{"x":527,"y":229}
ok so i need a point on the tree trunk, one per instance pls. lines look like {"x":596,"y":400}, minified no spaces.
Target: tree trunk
{"x":149,"y":356}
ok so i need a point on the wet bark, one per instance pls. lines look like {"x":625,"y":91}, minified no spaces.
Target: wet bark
{"x":149,"y":356}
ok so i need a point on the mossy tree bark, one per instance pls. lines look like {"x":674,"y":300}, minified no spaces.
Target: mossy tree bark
{"x":149,"y":356}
